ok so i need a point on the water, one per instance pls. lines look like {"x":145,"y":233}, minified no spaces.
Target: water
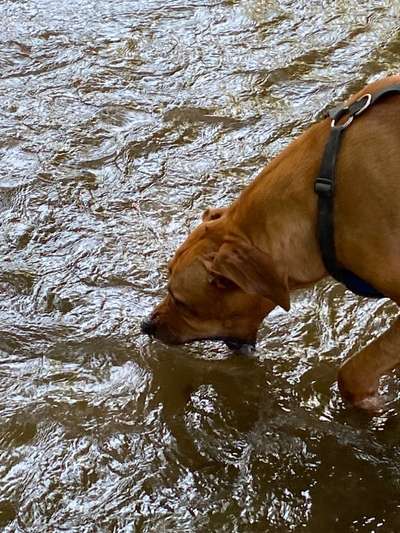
{"x":120,"y":122}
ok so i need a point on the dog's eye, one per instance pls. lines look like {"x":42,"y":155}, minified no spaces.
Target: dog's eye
{"x":221,"y":283}
{"x":181,"y":304}
{"x":177,"y":302}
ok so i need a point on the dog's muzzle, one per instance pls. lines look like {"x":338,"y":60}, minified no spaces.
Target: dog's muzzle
{"x":149,"y":327}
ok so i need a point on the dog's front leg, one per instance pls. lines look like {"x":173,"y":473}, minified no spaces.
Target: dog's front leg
{"x":360,"y":374}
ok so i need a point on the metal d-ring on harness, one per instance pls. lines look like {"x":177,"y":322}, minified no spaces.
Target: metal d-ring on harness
{"x":324,"y":186}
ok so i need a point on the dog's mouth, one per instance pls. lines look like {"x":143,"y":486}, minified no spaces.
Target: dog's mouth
{"x":236,"y":345}
{"x":243,"y":347}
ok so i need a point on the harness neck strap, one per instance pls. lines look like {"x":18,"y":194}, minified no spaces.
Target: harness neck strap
{"x":324,"y":186}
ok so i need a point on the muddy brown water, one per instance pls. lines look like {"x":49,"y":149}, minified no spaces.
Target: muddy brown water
{"x":120,"y":122}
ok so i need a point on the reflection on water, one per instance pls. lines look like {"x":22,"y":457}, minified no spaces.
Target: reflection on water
{"x":120,"y":122}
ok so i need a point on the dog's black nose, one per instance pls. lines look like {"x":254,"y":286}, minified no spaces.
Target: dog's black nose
{"x":148,"y":327}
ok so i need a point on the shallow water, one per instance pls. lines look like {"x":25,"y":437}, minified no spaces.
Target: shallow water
{"x":120,"y":122}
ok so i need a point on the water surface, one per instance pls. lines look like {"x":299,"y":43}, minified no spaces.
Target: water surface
{"x":120,"y":123}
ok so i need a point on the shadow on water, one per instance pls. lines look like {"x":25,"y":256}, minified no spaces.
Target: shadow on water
{"x":120,"y":123}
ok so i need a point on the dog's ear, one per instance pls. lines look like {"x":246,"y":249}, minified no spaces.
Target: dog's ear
{"x":253,"y":271}
{"x":213,"y":213}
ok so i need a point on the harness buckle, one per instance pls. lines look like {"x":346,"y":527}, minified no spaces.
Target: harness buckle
{"x":323,"y":186}
{"x":342,"y":126}
{"x":352,"y":111}
{"x":368,"y":96}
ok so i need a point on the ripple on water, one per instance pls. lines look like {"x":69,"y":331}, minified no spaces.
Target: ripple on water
{"x":120,"y":123}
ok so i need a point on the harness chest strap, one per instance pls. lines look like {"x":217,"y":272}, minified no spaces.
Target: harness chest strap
{"x":324,"y":186}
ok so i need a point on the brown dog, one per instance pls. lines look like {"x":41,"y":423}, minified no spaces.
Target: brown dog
{"x":243,"y":260}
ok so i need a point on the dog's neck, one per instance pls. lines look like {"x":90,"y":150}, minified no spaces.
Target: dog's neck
{"x":283,"y":204}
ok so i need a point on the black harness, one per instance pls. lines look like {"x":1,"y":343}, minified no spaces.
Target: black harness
{"x":325,"y":188}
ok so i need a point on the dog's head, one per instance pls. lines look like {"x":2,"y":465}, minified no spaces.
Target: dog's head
{"x":220,"y":287}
